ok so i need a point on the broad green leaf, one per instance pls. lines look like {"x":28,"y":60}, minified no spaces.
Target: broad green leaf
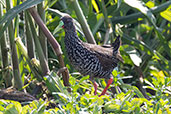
{"x":51,"y":85}
{"x":149,"y":83}
{"x":57,"y":12}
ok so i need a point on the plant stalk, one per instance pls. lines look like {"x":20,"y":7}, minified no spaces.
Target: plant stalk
{"x":108,"y":24}
{"x":43,"y":61}
{"x":83,"y":22}
{"x":29,"y":39}
{"x":55,"y":45}
{"x":43,"y":40}
{"x":17,"y":78}
{"x":4,"y":51}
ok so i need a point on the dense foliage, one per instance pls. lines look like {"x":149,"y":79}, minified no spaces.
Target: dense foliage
{"x":142,"y":84}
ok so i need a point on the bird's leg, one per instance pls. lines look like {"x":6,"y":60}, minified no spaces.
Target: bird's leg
{"x":108,"y":84}
{"x":95,"y":87}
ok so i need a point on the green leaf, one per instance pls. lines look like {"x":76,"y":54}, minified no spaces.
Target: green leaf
{"x":1,"y":108}
{"x":150,"y":4}
{"x":61,"y":14}
{"x":111,"y":107}
{"x":135,"y":89}
{"x":26,"y":109}
{"x":2,"y":2}
{"x":54,"y":84}
{"x":41,"y":106}
{"x":83,"y":78}
{"x":63,"y":96}
{"x":142,"y":7}
{"x":17,"y":106}
{"x":95,"y":5}
{"x":167,"y":14}
{"x":95,"y":110}
{"x":127,"y":98}
{"x":61,"y":23}
{"x":133,"y":17}
{"x":7,"y":18}
{"x":134,"y":57}
{"x":10,"y":109}
{"x":119,"y":3}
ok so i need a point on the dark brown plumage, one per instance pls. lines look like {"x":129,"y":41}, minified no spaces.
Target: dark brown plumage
{"x":89,"y":59}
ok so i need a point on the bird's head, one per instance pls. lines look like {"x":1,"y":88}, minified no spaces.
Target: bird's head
{"x":66,"y":23}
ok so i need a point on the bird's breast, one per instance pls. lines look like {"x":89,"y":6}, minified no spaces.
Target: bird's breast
{"x":82,"y":59}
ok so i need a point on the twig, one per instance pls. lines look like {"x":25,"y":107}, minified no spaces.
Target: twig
{"x":61,"y":70}
{"x":55,"y":45}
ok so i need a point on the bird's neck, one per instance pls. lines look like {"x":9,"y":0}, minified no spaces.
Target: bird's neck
{"x":72,"y":37}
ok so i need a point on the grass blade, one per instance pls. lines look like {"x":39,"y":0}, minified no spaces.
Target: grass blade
{"x":14,"y":11}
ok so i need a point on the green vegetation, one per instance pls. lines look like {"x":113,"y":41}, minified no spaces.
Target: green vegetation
{"x":33,"y":60}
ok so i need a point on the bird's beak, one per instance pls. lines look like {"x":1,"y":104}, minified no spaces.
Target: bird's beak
{"x":61,"y":24}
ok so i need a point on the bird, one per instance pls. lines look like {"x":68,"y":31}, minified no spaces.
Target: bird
{"x":90,"y":59}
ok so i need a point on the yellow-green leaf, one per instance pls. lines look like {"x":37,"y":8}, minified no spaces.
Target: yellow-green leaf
{"x":150,"y":4}
{"x":167,"y":14}
{"x":95,"y":6}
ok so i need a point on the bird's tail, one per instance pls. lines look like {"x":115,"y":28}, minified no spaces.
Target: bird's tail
{"x":116,"y":45}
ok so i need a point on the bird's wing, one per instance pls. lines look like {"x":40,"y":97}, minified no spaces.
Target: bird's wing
{"x":105,"y":55}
